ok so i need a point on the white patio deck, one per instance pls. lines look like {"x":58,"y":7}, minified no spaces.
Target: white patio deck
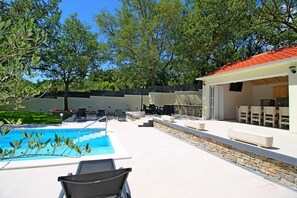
{"x":162,"y":166}
{"x":284,"y":142}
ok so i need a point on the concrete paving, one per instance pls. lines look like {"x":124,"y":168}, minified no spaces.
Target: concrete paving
{"x":162,"y":166}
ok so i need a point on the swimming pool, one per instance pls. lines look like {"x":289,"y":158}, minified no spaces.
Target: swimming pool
{"x":99,"y":142}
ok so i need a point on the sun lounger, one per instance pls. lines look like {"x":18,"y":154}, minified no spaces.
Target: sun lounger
{"x":97,"y":178}
{"x":81,"y":113}
{"x":101,"y":113}
{"x":120,"y":114}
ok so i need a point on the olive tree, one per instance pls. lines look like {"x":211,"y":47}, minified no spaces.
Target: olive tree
{"x":20,"y":42}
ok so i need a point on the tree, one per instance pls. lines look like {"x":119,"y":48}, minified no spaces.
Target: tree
{"x":165,"y":42}
{"x":20,"y":42}
{"x":72,"y":58}
{"x":277,"y":22}
{"x":101,"y":80}
{"x":139,"y":37}
{"x":218,"y":32}
{"x":31,"y":27}
{"x":213,"y":33}
{"x":19,"y":45}
{"x":45,"y":15}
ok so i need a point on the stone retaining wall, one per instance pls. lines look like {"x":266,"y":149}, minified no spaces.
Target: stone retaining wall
{"x":268,"y":168}
{"x":191,"y":110}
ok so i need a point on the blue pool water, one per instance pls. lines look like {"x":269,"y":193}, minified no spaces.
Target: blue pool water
{"x":96,"y":138}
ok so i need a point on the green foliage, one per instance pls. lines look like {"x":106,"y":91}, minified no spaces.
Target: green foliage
{"x":72,"y":58}
{"x":25,"y":26}
{"x":140,"y":38}
{"x":30,"y":117}
{"x":35,"y":144}
{"x":19,"y":44}
{"x":167,"y":42}
{"x":277,"y":22}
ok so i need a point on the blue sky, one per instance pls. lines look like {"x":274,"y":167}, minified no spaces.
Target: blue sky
{"x":87,"y":9}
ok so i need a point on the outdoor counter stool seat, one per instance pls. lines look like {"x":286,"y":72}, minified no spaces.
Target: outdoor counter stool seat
{"x":269,"y":116}
{"x":256,"y":114}
{"x":283,"y":116}
{"x":244,"y":113}
{"x":95,"y":170}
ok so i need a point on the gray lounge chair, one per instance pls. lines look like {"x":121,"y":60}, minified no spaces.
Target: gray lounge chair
{"x":81,"y":113}
{"x":97,"y":178}
{"x":120,"y":114}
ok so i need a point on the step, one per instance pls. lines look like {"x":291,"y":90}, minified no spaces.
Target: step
{"x":145,"y":122}
{"x":88,"y":137}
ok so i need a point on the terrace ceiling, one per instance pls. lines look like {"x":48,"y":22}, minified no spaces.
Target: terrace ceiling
{"x":267,"y":81}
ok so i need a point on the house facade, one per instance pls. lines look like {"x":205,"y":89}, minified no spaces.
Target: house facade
{"x":267,"y":79}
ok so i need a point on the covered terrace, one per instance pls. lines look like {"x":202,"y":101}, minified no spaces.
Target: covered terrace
{"x":267,"y":79}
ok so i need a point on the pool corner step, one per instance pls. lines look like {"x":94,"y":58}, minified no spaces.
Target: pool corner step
{"x":88,"y":137}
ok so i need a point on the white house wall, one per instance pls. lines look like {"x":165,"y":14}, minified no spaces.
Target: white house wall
{"x":232,"y":99}
{"x":263,"y":92}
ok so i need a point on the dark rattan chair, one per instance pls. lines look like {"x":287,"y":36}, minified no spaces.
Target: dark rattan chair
{"x":81,"y":113}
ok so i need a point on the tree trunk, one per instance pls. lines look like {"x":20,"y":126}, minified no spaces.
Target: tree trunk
{"x":153,"y":82}
{"x":66,"y":91}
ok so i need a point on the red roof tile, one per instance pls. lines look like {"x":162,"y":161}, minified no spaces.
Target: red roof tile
{"x":267,"y":57}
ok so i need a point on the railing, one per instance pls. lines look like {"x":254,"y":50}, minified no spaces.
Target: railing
{"x":98,"y":120}
{"x":104,"y":117}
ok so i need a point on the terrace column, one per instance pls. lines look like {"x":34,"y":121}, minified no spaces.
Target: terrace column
{"x":292,"y":101}
{"x":206,"y":102}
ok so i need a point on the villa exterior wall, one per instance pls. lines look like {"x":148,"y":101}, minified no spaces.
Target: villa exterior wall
{"x":263,"y":92}
{"x":161,"y":99}
{"x":109,"y":104}
{"x":177,"y":98}
{"x":133,"y":102}
{"x":188,"y":98}
{"x":232,"y":99}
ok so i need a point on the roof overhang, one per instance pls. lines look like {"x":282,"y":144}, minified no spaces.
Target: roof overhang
{"x":255,"y":68}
